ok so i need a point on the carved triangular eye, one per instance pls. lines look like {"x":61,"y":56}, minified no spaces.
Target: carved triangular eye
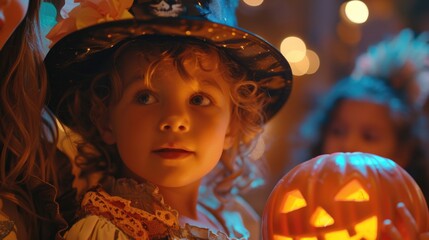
{"x":353,"y":192}
{"x":293,"y":201}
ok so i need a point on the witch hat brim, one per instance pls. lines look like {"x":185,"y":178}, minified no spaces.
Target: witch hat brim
{"x":84,"y":50}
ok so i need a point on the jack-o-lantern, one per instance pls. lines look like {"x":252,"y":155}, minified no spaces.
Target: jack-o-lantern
{"x":342,"y":196}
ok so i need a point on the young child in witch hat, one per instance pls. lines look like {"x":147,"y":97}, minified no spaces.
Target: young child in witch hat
{"x":169,"y":97}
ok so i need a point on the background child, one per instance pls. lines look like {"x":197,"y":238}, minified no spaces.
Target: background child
{"x":377,"y":109}
{"x":29,"y":188}
{"x":169,"y":109}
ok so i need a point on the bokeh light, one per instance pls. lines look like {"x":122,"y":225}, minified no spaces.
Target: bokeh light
{"x":356,"y":11}
{"x":293,"y":48}
{"x":253,"y":3}
{"x":314,"y":61}
{"x":300,"y":68}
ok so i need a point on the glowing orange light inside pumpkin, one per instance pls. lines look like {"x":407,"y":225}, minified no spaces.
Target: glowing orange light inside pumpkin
{"x":367,"y":228}
{"x":341,"y":234}
{"x":353,"y":191}
{"x":341,"y":196}
{"x":278,"y":237}
{"x":293,"y":201}
{"x":321,"y":218}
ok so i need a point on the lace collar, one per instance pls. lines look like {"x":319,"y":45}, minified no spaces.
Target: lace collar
{"x":144,"y":199}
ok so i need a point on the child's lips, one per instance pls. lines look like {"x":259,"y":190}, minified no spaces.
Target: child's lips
{"x":172,"y":153}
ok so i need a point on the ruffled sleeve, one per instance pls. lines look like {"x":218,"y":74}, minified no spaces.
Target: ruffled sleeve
{"x":95,"y":227}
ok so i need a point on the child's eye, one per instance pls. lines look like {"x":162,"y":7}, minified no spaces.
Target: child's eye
{"x":200,"y":100}
{"x":337,"y":131}
{"x":146,"y":98}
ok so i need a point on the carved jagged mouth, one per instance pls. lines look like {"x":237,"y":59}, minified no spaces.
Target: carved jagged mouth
{"x":364,"y":230}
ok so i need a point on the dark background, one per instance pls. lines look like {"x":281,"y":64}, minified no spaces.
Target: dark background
{"x":317,"y":23}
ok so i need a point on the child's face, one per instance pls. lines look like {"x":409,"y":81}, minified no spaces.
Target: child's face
{"x":174,"y":132}
{"x":11,"y":14}
{"x":361,"y":126}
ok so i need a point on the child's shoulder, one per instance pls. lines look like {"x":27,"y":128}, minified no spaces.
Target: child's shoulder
{"x":240,"y":210}
{"x":236,"y":213}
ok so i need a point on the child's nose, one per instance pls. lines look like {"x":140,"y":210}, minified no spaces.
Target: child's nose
{"x":175,"y":124}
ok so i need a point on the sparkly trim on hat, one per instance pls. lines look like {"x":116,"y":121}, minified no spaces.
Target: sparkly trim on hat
{"x":92,"y":28}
